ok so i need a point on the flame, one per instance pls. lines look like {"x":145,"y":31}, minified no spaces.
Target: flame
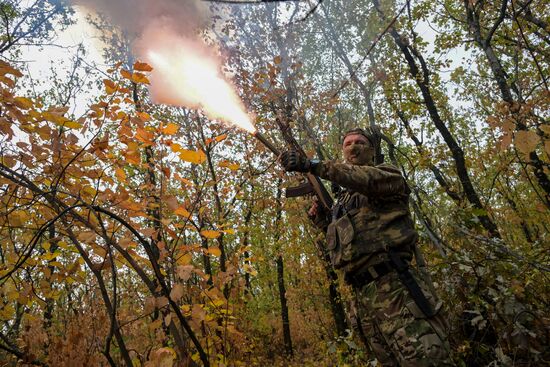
{"x":186,"y":73}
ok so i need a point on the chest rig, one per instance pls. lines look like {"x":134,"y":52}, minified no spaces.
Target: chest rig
{"x":363,"y":229}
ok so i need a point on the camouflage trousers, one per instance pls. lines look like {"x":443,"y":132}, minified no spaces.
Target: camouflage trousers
{"x":393,"y":327}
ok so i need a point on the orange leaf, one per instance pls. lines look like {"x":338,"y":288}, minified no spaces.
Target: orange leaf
{"x":142,"y":66}
{"x":140,"y":78}
{"x":170,"y":129}
{"x":220,"y":138}
{"x":110,"y":86}
{"x":23,"y":102}
{"x":214,"y":251}
{"x":144,"y":116}
{"x":126,"y":74}
{"x":184,"y":259}
{"x":144,"y":136}
{"x":210,"y":234}
{"x":120,"y":174}
{"x":182,"y":211}
{"x":192,"y":156}
{"x":231,"y":166}
{"x":5,"y":68}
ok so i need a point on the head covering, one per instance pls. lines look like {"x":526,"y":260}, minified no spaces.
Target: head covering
{"x":359,"y":131}
{"x":373,"y":134}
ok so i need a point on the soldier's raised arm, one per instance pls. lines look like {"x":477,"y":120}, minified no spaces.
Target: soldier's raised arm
{"x":382,"y":180}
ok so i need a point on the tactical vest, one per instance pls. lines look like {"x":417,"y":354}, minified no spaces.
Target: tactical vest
{"x":363,"y":229}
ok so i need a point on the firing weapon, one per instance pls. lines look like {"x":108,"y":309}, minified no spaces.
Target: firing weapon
{"x":313,"y":184}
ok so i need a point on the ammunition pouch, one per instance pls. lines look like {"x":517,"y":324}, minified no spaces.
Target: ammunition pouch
{"x":340,"y":234}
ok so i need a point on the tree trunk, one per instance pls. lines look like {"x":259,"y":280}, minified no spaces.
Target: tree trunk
{"x":280,"y":275}
{"x":422,"y":81}
{"x":484,"y":42}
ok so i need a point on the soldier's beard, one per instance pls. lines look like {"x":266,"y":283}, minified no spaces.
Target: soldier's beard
{"x":359,"y":154}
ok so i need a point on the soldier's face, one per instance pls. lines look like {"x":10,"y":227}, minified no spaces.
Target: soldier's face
{"x":358,"y":150}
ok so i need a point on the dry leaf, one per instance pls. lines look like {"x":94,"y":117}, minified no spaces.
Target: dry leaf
{"x":177,"y":292}
{"x":110,"y":86}
{"x":184,"y":272}
{"x":210,"y":234}
{"x":142,"y":66}
{"x":526,"y":141}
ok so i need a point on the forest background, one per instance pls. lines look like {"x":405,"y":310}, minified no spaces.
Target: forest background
{"x":135,"y":233}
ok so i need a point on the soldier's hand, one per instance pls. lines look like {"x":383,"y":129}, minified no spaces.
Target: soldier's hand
{"x":314,"y":210}
{"x":318,"y":215}
{"x":292,"y":161}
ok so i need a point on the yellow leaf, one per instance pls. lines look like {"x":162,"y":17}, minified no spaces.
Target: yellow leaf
{"x":144,"y":116}
{"x":170,"y":129}
{"x":142,"y":66}
{"x":46,"y":246}
{"x":192,"y":156}
{"x":210,"y":234}
{"x":49,"y":256}
{"x":220,"y":138}
{"x":140,"y":78}
{"x":72,"y":124}
{"x":277,"y":60}
{"x":215,"y":251}
{"x":110,"y":86}
{"x":120,"y":174}
{"x":182,"y":211}
{"x":13,"y":295}
{"x":184,"y":259}
{"x":230,"y":165}
{"x":5,"y":68}
{"x":126,"y":74}
{"x":23,"y":102}
{"x":176,"y":147}
{"x":250,"y":269}
{"x":526,"y":141}
{"x":18,"y":218}
{"x":229,"y":231}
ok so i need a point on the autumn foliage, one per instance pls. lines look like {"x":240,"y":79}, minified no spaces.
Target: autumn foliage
{"x":146,"y":235}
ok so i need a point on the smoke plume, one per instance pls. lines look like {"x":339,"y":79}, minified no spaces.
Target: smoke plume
{"x":186,"y":70}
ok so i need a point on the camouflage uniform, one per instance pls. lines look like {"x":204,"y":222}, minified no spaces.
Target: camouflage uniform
{"x":370,"y":220}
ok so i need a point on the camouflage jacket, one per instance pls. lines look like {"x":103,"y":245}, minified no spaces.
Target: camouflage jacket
{"x":370,"y":216}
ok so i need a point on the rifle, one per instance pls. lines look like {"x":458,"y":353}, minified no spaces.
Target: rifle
{"x":313,"y":184}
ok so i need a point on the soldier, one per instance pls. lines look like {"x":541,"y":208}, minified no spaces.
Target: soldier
{"x":371,"y":239}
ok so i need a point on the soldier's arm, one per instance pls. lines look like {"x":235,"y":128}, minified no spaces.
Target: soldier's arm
{"x":382,"y":180}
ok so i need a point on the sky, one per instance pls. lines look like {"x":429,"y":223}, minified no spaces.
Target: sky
{"x":40,"y":60}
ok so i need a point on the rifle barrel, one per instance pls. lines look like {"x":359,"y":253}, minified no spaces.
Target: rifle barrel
{"x":267,"y":143}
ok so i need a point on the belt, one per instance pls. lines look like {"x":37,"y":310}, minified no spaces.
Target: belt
{"x":369,"y":274}
{"x":395,"y":264}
